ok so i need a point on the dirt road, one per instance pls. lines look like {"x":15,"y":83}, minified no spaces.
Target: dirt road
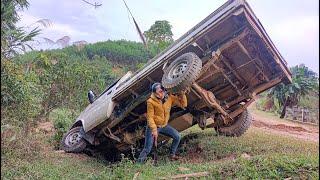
{"x":284,"y":127}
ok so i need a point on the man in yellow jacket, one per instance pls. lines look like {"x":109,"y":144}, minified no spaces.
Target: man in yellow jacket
{"x":158,"y":113}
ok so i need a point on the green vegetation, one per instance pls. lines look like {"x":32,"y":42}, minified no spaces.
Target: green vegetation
{"x":265,"y":103}
{"x":304,"y":82}
{"x":310,"y":101}
{"x":14,"y":39}
{"x":52,"y":85}
{"x":41,"y":83}
{"x":50,"y":80}
{"x":270,"y":157}
{"x":62,"y":120}
{"x":159,"y":36}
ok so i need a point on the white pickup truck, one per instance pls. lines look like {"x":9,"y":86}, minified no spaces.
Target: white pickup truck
{"x":224,"y":62}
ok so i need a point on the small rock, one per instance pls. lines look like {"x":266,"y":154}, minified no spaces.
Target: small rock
{"x":245,"y":156}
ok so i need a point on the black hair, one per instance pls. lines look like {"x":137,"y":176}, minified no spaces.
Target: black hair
{"x":155,"y":85}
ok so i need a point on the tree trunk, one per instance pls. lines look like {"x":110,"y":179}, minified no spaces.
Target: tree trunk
{"x":283,"y":112}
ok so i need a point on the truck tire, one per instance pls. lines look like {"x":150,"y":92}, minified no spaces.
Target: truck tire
{"x":182,"y":72}
{"x":72,"y":141}
{"x":239,"y":127}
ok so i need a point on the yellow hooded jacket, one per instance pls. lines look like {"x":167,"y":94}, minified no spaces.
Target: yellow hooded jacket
{"x":158,"y":113}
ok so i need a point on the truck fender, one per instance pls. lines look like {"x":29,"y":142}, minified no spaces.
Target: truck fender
{"x":88,"y":136}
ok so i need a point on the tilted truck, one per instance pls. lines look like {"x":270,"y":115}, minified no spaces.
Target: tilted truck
{"x":224,"y":62}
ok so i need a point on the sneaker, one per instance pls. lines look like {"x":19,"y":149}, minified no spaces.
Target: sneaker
{"x":174,"y":157}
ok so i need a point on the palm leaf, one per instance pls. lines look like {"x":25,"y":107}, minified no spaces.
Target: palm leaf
{"x":44,"y":22}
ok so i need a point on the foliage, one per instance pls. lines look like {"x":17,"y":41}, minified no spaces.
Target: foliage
{"x":62,"y":120}
{"x":18,"y":41}
{"x":271,"y":157}
{"x":20,"y":96}
{"x":37,"y":82}
{"x":160,"y":35}
{"x":262,"y":102}
{"x":66,"y":83}
{"x":31,"y":88}
{"x":310,"y":101}
{"x":304,"y":81}
{"x":120,"y":52}
{"x":14,"y":39}
{"x":45,"y":80}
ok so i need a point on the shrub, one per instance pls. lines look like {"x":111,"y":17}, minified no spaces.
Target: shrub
{"x":62,"y":119}
{"x":20,"y":96}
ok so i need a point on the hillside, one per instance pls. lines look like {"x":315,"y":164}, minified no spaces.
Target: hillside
{"x":65,"y":75}
{"x":120,"y":52}
{"x":40,"y":84}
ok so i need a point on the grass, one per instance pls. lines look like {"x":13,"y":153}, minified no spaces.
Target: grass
{"x":274,"y":116}
{"x":270,"y":115}
{"x":271,"y":156}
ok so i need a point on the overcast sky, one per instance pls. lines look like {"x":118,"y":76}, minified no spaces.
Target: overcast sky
{"x":293,"y":25}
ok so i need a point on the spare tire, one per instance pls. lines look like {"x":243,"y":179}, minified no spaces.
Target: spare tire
{"x":182,"y":72}
{"x":239,"y":127}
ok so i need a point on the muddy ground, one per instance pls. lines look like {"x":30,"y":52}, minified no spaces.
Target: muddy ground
{"x":285,"y":127}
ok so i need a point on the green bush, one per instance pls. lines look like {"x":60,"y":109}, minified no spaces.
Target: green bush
{"x":62,"y":119}
{"x":35,"y":83}
{"x":20,"y":95}
{"x":260,"y":103}
{"x":310,"y":101}
{"x":61,"y":81}
{"x":266,"y":103}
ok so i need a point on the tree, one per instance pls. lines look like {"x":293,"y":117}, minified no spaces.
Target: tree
{"x":304,"y":81}
{"x":159,"y":35}
{"x":14,"y":39}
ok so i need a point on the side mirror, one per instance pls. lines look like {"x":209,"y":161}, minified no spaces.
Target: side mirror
{"x":91,"y":96}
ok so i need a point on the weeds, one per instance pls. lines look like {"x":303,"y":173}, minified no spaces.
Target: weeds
{"x":62,"y":120}
{"x":270,"y":156}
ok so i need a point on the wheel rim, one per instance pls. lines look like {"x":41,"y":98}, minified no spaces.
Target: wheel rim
{"x":177,"y":70}
{"x":73,"y":138}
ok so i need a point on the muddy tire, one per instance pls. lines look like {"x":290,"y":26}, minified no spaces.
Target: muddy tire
{"x":182,"y":72}
{"x":72,"y":141}
{"x":239,"y":127}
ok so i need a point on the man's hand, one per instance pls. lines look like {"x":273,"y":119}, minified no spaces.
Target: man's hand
{"x":181,"y":94}
{"x":155,"y":135}
{"x":185,"y":91}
